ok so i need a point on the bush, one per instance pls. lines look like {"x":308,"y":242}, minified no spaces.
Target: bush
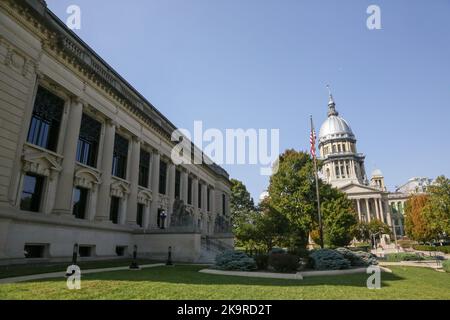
{"x":327,"y":259}
{"x":446,"y":265}
{"x":277,"y":250}
{"x":397,"y":257}
{"x":283,"y":262}
{"x":235,"y":260}
{"x":358,"y":258}
{"x":262,"y":261}
{"x":444,"y":249}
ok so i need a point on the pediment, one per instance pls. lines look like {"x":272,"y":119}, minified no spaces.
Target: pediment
{"x":145,"y":197}
{"x":119,"y":189}
{"x":353,"y":188}
{"x":40,"y":163}
{"x":86,"y":178}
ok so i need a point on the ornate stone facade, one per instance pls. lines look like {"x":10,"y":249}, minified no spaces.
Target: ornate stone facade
{"x":73,"y":133}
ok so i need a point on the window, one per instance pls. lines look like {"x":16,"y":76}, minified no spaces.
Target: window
{"x":119,"y":167}
{"x":34,"y":251}
{"x":177,"y":184}
{"x":88,"y":139}
{"x":120,"y":250}
{"x":200,"y":195}
{"x":46,"y":120}
{"x":140,"y":215}
{"x":144,"y":168}
{"x":114,"y":210}
{"x":189,"y":199}
{"x":162,"y":177}
{"x":31,"y":192}
{"x":223,"y":204}
{"x":79,"y":202}
{"x":208,"y":199}
{"x":85,"y":251}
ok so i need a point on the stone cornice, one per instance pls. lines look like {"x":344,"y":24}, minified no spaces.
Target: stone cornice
{"x":61,"y":42}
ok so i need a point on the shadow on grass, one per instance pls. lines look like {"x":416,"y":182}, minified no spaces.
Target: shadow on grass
{"x":189,"y":275}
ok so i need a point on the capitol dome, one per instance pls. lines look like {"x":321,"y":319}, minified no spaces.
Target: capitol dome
{"x":334,"y":127}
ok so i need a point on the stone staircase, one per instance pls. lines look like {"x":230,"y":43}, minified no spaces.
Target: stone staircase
{"x":210,"y":248}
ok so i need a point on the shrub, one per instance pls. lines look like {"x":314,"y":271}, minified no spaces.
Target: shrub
{"x":327,"y":259}
{"x":446,"y":265}
{"x":358,"y":258}
{"x":277,"y":250}
{"x":444,"y":249}
{"x":397,"y":257}
{"x":235,"y":260}
{"x":262,"y":261}
{"x":284,"y":262}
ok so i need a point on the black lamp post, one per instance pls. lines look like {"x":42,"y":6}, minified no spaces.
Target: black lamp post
{"x":134,"y":265}
{"x":169,"y":257}
{"x":74,"y":258}
{"x":163,"y":219}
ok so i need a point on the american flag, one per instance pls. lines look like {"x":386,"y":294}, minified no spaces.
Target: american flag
{"x":312,"y":141}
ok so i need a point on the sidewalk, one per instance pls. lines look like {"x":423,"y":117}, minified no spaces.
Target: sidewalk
{"x":62,"y":274}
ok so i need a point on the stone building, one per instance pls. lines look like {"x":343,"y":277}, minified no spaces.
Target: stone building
{"x":343,"y":167}
{"x":85,"y":159}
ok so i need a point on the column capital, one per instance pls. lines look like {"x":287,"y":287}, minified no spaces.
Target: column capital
{"x":78,"y":100}
{"x":112,"y":123}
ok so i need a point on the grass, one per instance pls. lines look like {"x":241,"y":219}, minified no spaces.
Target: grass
{"x":185,"y":282}
{"x":28,"y":269}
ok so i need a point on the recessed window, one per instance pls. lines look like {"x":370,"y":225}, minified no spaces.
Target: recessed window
{"x":119,"y":167}
{"x":31,"y":192}
{"x":88,"y":139}
{"x":114,"y":210}
{"x":144,"y":168}
{"x":162,"y":177}
{"x":79,"y":202}
{"x":121,"y":250}
{"x":86,"y":251}
{"x":200,"y":195}
{"x":208,"y":199}
{"x":34,"y":251}
{"x":177,"y":184}
{"x":46,"y":119}
{"x":189,"y":199}
{"x":140,"y":215}
{"x":223,"y":204}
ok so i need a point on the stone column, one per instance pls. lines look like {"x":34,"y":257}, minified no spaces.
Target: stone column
{"x":155,"y":189}
{"x":63,"y":198}
{"x":213,"y":201}
{"x":146,"y":217}
{"x":123,"y":210}
{"x":368,"y":210}
{"x":195,"y":199}
{"x":184,"y":186}
{"x":389,"y":218}
{"x":171,"y":190}
{"x":204,"y":197}
{"x":106,"y":167}
{"x":380,"y":204}
{"x":359,"y":210}
{"x":377,"y":211}
{"x":134,"y":177}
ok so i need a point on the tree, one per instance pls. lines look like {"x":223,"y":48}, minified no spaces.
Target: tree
{"x":241,"y":203}
{"x":416,"y":226}
{"x":292,"y":193}
{"x":437,"y":210}
{"x":339,"y":220}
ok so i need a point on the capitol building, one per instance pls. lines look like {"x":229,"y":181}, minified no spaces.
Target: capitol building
{"x":344,"y":168}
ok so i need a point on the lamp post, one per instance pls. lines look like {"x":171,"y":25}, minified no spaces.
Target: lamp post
{"x":134,"y":265}
{"x":163,"y":216}
{"x":169,"y":257}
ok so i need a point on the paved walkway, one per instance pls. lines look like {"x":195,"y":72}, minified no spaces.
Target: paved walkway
{"x":62,"y":274}
{"x":422,"y":264}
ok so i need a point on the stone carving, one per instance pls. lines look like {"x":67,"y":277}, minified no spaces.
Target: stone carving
{"x":86,"y":178}
{"x":119,"y":189}
{"x":181,"y":216}
{"x":40,"y":162}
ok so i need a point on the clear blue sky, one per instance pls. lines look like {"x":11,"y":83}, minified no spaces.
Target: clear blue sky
{"x":265,"y":64}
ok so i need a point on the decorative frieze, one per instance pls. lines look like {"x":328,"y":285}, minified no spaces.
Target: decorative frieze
{"x":145,"y":196}
{"x":41,"y":162}
{"x":119,"y":188}
{"x":86,"y":177}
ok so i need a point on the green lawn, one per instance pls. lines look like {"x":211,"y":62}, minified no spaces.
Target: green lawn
{"x":185,"y":282}
{"x":28,"y":269}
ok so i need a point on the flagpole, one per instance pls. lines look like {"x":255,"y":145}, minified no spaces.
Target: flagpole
{"x":317,"y":185}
